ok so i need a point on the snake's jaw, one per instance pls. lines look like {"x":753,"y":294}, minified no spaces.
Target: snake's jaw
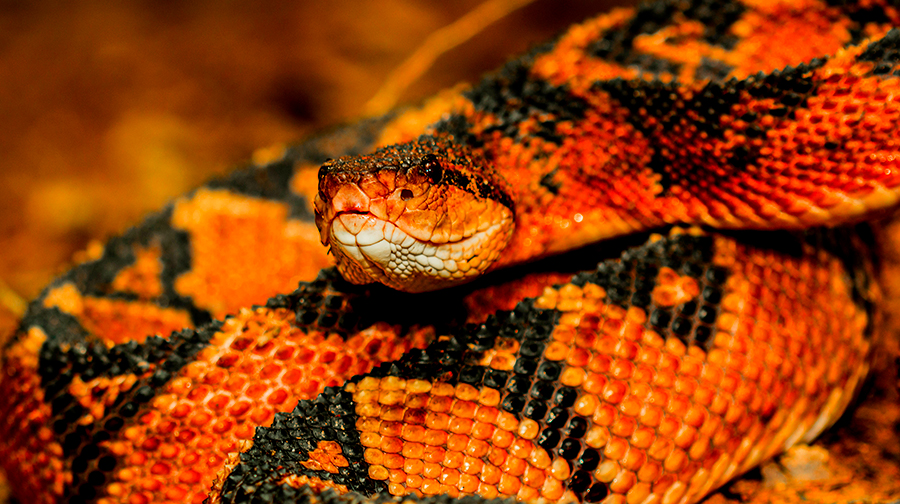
{"x":370,"y":249}
{"x":414,"y":226}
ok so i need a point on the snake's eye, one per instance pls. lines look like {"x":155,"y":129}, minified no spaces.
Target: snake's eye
{"x":432,"y":169}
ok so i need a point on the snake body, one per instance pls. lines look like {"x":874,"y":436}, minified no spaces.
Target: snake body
{"x":638,"y":382}
{"x":630,"y":121}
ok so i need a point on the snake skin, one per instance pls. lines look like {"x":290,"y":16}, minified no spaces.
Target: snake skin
{"x":129,"y":381}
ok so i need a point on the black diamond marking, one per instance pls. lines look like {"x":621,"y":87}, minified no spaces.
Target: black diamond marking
{"x":512,"y":95}
{"x":885,"y":53}
{"x":788,"y":89}
{"x":292,"y":436}
{"x":717,"y":18}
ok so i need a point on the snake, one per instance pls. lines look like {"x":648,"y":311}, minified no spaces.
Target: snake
{"x":182,"y":362}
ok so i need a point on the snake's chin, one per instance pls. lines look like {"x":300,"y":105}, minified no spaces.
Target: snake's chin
{"x":369,"y":249}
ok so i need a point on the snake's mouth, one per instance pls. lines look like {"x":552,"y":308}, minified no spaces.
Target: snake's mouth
{"x":369,"y":249}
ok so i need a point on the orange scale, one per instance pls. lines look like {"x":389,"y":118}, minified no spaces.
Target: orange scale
{"x":623,"y":368}
{"x":477,"y":448}
{"x":164,"y":427}
{"x":262,"y":415}
{"x":413,"y":467}
{"x":586,"y":405}
{"x":631,"y":406}
{"x":572,"y":377}
{"x":527,"y":494}
{"x":430,"y":486}
{"x":138,"y":498}
{"x":431,"y":470}
{"x":463,"y":409}
{"x":664,"y":378}
{"x":669,"y":426}
{"x":496,"y":456}
{"x":416,"y":403}
{"x":634,"y":458}
{"x":435,"y":437}
{"x":533,"y":477}
{"x":150,"y":444}
{"x":390,"y":444}
{"x":552,"y":489}
{"x":278,"y":396}
{"x":414,"y":433}
{"x":449,"y":476}
{"x":514,"y":466}
{"x":270,"y":371}
{"x":564,"y":334}
{"x":175,"y":493}
{"x":595,"y":383}
{"x":747,"y":391}
{"x":378,"y":473}
{"x":507,"y":421}
{"x":439,"y":404}
{"x":392,"y":461}
{"x":487,"y":491}
{"x":521,"y":448}
{"x":502,"y":438}
{"x":190,"y":459}
{"x":219,"y":402}
{"x":181,"y":410}
{"x":453,"y":459}
{"x":487,"y":414}
{"x":161,"y":469}
{"x":585,"y":338}
{"x":411,"y":432}
{"x":169,"y":450}
{"x":614,"y":391}
{"x":678,"y":404}
{"x":413,"y":451}
{"x":396,"y":489}
{"x":539,"y":458}
{"x":472,"y":465}
{"x":508,"y":485}
{"x":622,"y":482}
{"x":675,"y":461}
{"x":256,"y":390}
{"x":292,"y":377}
{"x":439,"y":421}
{"x":556,"y":351}
{"x":373,"y":456}
{"x":489,"y":397}
{"x":468,"y":484}
{"x":605,"y":414}
{"x":650,"y":471}
{"x":126,"y":475}
{"x":457,"y":442}
{"x":615,"y":448}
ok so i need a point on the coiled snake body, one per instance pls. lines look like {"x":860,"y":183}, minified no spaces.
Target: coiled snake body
{"x":654,"y":378}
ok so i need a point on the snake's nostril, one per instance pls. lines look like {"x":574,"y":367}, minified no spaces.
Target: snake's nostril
{"x":406,"y":195}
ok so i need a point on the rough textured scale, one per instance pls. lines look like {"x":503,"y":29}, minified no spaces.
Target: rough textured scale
{"x":665,"y":373}
{"x":638,"y":118}
{"x":120,"y":386}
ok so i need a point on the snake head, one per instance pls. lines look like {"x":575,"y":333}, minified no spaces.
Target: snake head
{"x":417,"y":216}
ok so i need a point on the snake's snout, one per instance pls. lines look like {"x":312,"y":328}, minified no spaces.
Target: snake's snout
{"x":409,"y":219}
